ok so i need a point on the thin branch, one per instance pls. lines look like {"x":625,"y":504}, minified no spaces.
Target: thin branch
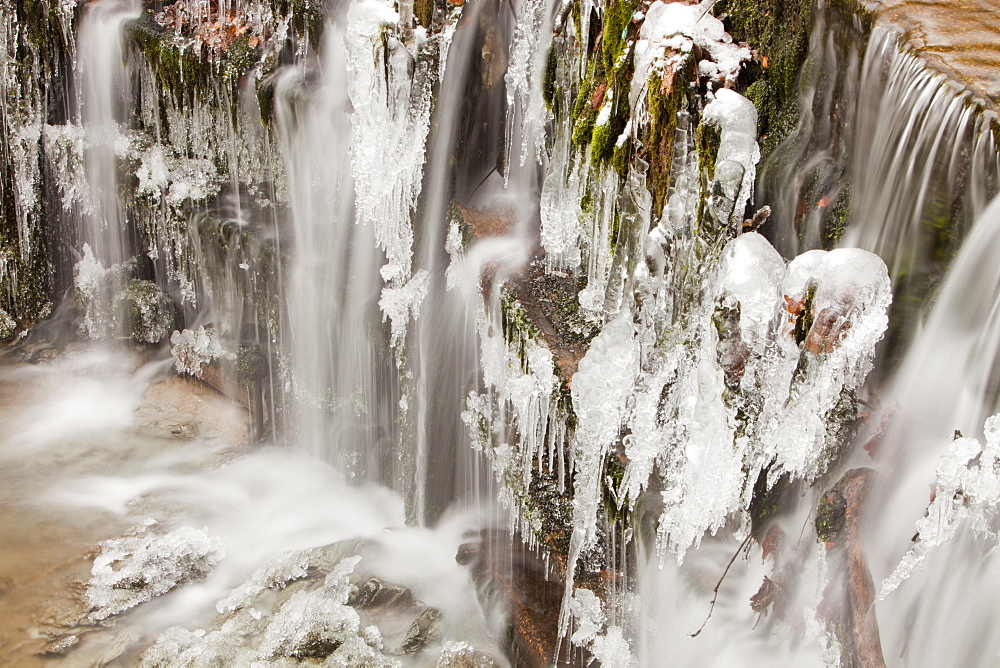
{"x":715,"y":592}
{"x":707,"y":10}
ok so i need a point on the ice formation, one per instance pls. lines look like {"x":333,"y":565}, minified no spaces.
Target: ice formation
{"x":400,"y":304}
{"x":732,"y":183}
{"x":523,"y":391}
{"x":523,"y":78}
{"x":275,"y":574}
{"x":98,"y":289}
{"x":64,"y":149}
{"x":966,"y":491}
{"x":756,"y":392}
{"x":148,"y":561}
{"x":606,"y":642}
{"x":193,"y":349}
{"x":390,"y":122}
{"x":560,"y":210}
{"x":309,"y":625}
{"x":670,"y":31}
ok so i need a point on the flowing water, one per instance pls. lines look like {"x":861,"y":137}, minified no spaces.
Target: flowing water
{"x":398,"y":405}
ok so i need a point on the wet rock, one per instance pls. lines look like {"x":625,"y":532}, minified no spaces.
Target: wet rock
{"x":423,"y":631}
{"x":518,"y":582}
{"x":147,"y":311}
{"x":62,"y":645}
{"x":37,"y":352}
{"x":181,"y":426}
{"x":145,"y":562}
{"x":408,"y":625}
{"x":848,"y":602}
{"x":184,"y":408}
{"x":464,"y":655}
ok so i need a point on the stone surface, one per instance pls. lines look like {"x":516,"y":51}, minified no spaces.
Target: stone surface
{"x":958,"y":37}
{"x":185,"y":408}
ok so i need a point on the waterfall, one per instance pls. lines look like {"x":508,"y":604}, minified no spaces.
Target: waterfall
{"x":101,"y":100}
{"x":347,"y":410}
{"x":947,"y":382}
{"x":562,"y":303}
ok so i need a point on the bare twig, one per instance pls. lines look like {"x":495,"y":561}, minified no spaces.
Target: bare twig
{"x":707,"y":10}
{"x":715,"y":592}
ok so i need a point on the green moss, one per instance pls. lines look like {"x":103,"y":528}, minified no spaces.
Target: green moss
{"x":614,"y":229}
{"x":620,"y":157}
{"x":831,"y":517}
{"x":602,"y":143}
{"x":549,"y":81}
{"x":664,"y":100}
{"x":179,"y":70}
{"x":614,"y":474}
{"x":767,"y":502}
{"x":240,"y":58}
{"x":779,"y":31}
{"x":617,"y":28}
{"x":584,"y":96}
{"x":583,"y":129}
{"x":837,"y":219}
{"x":707,"y":141}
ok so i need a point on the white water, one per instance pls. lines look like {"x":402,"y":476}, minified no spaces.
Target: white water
{"x":257,"y":504}
{"x":102,"y":101}
{"x":929,"y":142}
{"x":385,"y":377}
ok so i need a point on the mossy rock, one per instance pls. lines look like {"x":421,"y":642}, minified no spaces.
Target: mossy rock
{"x":831,"y":517}
{"x":251,"y":364}
{"x":665,"y":99}
{"x":147,"y":311}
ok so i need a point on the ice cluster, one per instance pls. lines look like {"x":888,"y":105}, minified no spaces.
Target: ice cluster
{"x":400,"y":304}
{"x":308,"y":624}
{"x":192,"y":350}
{"x":146,"y":562}
{"x":519,"y":372}
{"x":778,"y":353}
{"x":966,"y":491}
{"x":98,"y":289}
{"x":148,"y":311}
{"x":735,"y":117}
{"x":526,"y":110}
{"x":390,"y":123}
{"x":669,"y":33}
{"x":606,"y":642}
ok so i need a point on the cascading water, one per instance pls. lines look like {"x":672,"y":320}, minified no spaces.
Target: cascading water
{"x":338,"y":344}
{"x":443,"y":254}
{"x":102,"y":100}
{"x":946,"y":384}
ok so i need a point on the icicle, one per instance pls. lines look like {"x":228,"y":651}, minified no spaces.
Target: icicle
{"x":524,"y":80}
{"x":600,"y":391}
